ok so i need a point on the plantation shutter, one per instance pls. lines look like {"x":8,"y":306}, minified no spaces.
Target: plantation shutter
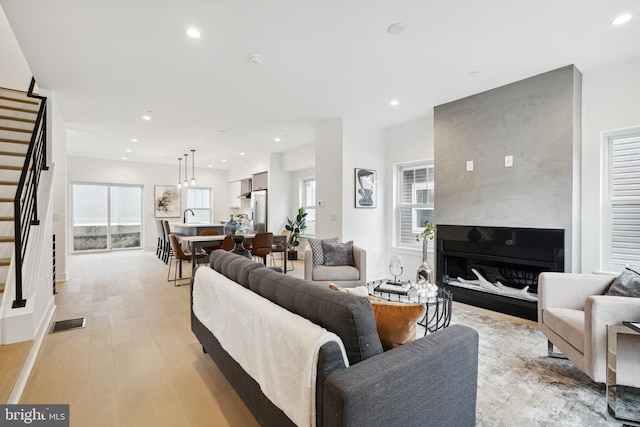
{"x":415,"y":199}
{"x":625,"y":200}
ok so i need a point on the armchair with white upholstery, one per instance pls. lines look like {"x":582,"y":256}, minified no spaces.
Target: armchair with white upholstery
{"x":345,"y":276}
{"x":573,"y":314}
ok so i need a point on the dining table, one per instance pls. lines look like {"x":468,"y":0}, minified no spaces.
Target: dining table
{"x":197,"y":242}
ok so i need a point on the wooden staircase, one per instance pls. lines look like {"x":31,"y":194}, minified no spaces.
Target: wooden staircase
{"x":18,"y":115}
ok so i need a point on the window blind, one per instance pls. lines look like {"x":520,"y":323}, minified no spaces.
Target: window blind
{"x":624,"y":200}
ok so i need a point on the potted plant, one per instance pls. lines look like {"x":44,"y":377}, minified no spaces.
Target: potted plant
{"x":295,"y":227}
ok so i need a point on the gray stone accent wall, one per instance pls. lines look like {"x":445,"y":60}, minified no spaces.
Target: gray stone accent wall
{"x":537,"y":121}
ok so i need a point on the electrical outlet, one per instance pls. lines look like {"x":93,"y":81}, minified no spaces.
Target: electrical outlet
{"x":508,"y":161}
{"x":469,"y":165}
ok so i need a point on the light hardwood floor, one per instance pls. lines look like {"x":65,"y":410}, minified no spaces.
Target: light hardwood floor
{"x":136,"y":363}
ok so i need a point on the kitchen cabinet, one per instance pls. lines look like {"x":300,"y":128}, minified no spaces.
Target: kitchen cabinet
{"x":234,"y":192}
{"x":260,"y":181}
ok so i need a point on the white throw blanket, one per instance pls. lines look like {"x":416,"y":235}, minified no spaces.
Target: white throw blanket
{"x":277,"y":348}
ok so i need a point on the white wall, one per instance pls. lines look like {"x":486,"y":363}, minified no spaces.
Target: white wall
{"x":250,"y":165}
{"x":148,"y":175}
{"x":364,"y":147}
{"x":611,"y":101}
{"x":329,"y":181}
{"x":18,"y":75}
{"x":279,"y":194}
{"x":408,"y":142}
{"x":299,"y":158}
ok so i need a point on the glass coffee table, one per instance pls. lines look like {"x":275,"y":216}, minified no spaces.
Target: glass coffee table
{"x":438,"y":309}
{"x":623,"y":379}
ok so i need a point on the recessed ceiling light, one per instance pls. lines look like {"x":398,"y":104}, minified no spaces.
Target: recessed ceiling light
{"x":128,"y":150}
{"x":395,"y":28}
{"x":473,"y":74}
{"x":124,"y":157}
{"x":224,"y":160}
{"x":394,"y":102}
{"x":134,"y":140}
{"x":242,"y":153}
{"x":276,"y":139}
{"x":210,"y":166}
{"x":621,"y":19}
{"x":256,"y":59}
{"x":193,"y":33}
{"x":147,"y":115}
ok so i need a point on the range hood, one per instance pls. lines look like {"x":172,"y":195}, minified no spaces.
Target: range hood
{"x":246,"y":187}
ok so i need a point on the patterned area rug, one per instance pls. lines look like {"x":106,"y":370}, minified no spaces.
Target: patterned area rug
{"x":518,"y":385}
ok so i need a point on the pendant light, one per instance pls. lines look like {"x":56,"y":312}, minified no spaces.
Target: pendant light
{"x":179,"y":172}
{"x":186,"y":183}
{"x":193,"y":167}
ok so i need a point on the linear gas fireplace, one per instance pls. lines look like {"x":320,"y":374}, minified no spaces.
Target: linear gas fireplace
{"x":497,"y":268}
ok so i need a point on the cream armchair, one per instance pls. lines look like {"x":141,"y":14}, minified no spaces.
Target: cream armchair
{"x":345,"y":276}
{"x":573,"y":314}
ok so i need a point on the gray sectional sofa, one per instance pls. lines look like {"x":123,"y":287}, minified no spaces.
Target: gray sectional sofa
{"x":431,"y":381}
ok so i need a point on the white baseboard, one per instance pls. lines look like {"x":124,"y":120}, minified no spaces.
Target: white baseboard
{"x":25,"y":372}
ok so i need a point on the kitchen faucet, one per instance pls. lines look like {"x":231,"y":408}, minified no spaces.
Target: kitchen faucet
{"x":184,"y":215}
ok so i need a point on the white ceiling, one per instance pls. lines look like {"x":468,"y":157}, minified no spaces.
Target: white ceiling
{"x":110,"y":61}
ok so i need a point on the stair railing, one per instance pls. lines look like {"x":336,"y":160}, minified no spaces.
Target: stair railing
{"x":26,"y":200}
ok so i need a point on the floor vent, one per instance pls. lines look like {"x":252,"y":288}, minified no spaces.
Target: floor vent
{"x":65,"y":325}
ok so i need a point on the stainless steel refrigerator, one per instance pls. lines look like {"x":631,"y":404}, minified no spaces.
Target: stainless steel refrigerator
{"x":259,"y":210}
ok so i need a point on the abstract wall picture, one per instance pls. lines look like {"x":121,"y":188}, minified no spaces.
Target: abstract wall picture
{"x":365,"y":188}
{"x":167,"y":201}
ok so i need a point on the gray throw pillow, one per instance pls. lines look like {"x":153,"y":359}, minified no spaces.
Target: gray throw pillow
{"x":338,"y":253}
{"x":627,"y":284}
{"x":317,"y":250}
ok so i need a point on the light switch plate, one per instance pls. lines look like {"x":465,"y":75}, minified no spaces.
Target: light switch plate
{"x":469,"y":165}
{"x":508,"y":161}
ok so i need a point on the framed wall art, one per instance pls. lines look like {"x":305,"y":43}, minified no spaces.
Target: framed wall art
{"x":167,"y":201}
{"x":366,"y":181}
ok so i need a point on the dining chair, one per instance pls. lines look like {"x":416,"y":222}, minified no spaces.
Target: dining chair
{"x":167,"y":241}
{"x":279,"y":247}
{"x":262,"y":243}
{"x":227,"y":243}
{"x":209,"y":249}
{"x":161,"y":239}
{"x":180,"y":256}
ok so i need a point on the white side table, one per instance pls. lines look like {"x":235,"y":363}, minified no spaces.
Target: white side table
{"x":623,"y":372}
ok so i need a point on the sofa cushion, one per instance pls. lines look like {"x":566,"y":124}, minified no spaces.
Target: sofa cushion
{"x":627,"y":284}
{"x":338,"y":253}
{"x":567,"y":323}
{"x":348,"y":316}
{"x":337,"y":273}
{"x":234,"y":266}
{"x":317,"y":250}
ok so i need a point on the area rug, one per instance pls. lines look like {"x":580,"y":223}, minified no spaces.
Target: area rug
{"x":518,"y":385}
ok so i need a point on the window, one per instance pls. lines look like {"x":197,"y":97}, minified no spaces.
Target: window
{"x":623,"y":207}
{"x":415,"y":200}
{"x":308,"y":201}
{"x":199,"y":201}
{"x":106,"y":217}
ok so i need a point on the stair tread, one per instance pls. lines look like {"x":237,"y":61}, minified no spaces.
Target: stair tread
{"x":24,"y":101}
{"x":2,"y":288}
{"x":17,"y":119}
{"x":6,"y":200}
{"x":12,"y":153}
{"x":6,"y":218}
{"x":5,"y":261}
{"x":11,"y":168}
{"x":10,"y":129}
{"x":18,"y":109}
{"x":15,"y":141}
{"x":5,"y":239}
{"x":10,"y":183}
